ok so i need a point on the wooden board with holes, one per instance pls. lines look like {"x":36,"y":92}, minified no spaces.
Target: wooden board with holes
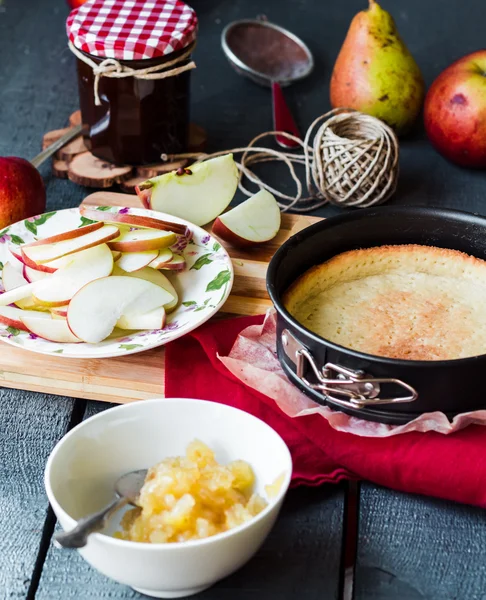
{"x":139,"y":376}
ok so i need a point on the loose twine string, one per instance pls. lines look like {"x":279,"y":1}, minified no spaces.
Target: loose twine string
{"x":352,"y":161}
{"x":110,"y":67}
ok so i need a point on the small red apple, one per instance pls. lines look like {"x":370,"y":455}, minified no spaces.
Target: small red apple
{"x":455,"y":111}
{"x":22,"y":192}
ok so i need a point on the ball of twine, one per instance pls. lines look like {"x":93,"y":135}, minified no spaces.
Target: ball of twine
{"x":350,"y":159}
{"x":355,"y":160}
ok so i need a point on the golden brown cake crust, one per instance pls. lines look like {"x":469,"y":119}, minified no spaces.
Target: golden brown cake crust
{"x":406,"y":301}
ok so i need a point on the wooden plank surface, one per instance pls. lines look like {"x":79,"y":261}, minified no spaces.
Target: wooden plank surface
{"x":30,"y":426}
{"x":138,"y":376}
{"x":300,"y":558}
{"x":413,"y":548}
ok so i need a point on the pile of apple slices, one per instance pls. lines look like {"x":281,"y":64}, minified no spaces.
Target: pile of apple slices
{"x":79,"y":285}
{"x":204,"y":191}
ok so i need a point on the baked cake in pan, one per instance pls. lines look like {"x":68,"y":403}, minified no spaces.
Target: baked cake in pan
{"x":407,"y":302}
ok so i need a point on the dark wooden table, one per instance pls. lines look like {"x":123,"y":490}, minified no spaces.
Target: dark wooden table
{"x":406,"y":547}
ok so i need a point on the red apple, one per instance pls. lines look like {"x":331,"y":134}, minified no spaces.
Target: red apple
{"x":455,"y":111}
{"x":22,"y":192}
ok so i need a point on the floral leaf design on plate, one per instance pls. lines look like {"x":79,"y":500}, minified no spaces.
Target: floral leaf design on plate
{"x":201,"y":261}
{"x":85,"y":221}
{"x":30,"y":226}
{"x":43,"y":218}
{"x":32,"y":223}
{"x":205,"y":286}
{"x":222,"y":278}
{"x":16,"y":239}
{"x":180,"y":245}
{"x":193,"y":306}
{"x":204,"y":305}
{"x":130,"y":346}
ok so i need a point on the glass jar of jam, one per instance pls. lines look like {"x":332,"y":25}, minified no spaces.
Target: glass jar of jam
{"x":134,"y":62}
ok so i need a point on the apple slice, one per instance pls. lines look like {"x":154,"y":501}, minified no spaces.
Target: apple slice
{"x":165,"y":255}
{"x":155,"y":319}
{"x":43,"y":253}
{"x":32,"y":275}
{"x":116,"y":255}
{"x":86,"y":266}
{"x":67,"y":235}
{"x":16,"y":252}
{"x":54,"y":330}
{"x":133,"y":220}
{"x":133,"y":261}
{"x":155,"y":277}
{"x":18,"y":296}
{"x":12,"y":278}
{"x":11,"y":316}
{"x":95,"y":309}
{"x":144,"y":194}
{"x":59,"y":263}
{"x":17,"y":289}
{"x":178,"y":263}
{"x":140,"y":240}
{"x":48,"y":267}
{"x":253,"y":222}
{"x":199,"y":194}
{"x":59,"y":312}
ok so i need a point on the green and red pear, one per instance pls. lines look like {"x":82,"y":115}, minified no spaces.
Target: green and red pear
{"x":375,"y":72}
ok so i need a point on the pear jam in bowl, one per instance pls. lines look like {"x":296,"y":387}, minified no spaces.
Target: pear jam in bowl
{"x":203,"y":513}
{"x":192,"y":497}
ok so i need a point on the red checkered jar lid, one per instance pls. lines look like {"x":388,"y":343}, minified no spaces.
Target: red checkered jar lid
{"x":132,"y":29}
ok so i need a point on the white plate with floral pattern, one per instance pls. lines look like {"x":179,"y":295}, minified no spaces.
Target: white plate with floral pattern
{"x":203,"y":286}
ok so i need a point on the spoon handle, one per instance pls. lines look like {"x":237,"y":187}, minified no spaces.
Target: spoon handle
{"x":282,"y":118}
{"x":78,"y":537}
{"x":57,"y":145}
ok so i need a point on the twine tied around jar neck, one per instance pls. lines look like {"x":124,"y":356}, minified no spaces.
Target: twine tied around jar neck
{"x":110,"y":67}
{"x":351,"y":160}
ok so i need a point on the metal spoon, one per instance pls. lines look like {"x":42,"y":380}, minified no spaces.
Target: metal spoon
{"x":270,"y":56}
{"x":127,"y":489}
{"x":57,"y":145}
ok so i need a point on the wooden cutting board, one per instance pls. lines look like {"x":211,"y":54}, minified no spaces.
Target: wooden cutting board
{"x":139,"y":376}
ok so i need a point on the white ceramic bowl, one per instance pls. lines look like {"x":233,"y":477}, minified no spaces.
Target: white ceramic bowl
{"x":85,"y":464}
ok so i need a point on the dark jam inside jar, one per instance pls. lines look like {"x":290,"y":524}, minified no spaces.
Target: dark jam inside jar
{"x":138,"y":119}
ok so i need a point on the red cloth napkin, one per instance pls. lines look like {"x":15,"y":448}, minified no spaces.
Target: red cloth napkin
{"x":446,"y":466}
